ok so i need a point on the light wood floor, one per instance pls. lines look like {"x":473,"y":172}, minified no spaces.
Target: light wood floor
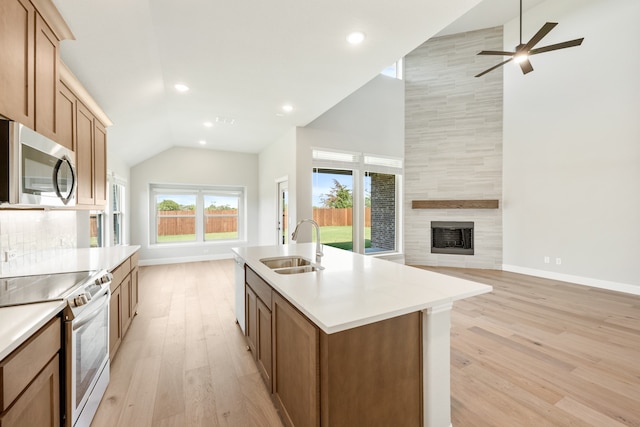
{"x":534,"y":352}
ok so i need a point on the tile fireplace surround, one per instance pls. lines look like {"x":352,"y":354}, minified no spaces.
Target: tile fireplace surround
{"x":453,"y":146}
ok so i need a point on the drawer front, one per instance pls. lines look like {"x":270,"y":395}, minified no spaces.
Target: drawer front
{"x":23,"y":365}
{"x":120,"y":273}
{"x":134,"y":260}
{"x":259,"y":286}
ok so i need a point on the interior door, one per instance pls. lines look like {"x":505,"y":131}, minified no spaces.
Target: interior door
{"x":283,"y":212}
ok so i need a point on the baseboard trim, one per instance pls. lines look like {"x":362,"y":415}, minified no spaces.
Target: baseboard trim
{"x":178,"y":260}
{"x":587,"y":281}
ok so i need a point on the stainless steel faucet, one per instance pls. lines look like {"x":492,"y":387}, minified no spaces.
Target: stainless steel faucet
{"x":294,"y":236}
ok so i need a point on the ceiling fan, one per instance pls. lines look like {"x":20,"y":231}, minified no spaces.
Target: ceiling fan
{"x":522,"y":52}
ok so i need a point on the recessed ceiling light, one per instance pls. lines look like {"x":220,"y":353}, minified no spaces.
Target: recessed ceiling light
{"x":287,"y":108}
{"x":202,"y":142}
{"x":356,"y":37}
{"x":181,"y":87}
{"x":208,"y":124}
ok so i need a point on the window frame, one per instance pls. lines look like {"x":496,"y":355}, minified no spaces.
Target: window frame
{"x":200,"y":191}
{"x":119,"y":185}
{"x":360,"y":164}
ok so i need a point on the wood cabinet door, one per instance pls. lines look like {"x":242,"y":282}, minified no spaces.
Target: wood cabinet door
{"x":295,"y":365}
{"x":17,"y":21}
{"x":125,"y":295}
{"x":251,"y":314}
{"x":84,"y":155}
{"x":100,"y":164}
{"x":263,"y":342}
{"x":46,"y":78}
{"x":135,"y":292}
{"x":39,"y":404}
{"x":66,"y":117}
{"x":115,"y":322}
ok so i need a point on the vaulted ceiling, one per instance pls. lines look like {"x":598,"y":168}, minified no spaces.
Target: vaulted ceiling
{"x":242,"y":61}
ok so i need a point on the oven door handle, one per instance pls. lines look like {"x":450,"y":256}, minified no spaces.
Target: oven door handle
{"x":84,"y":319}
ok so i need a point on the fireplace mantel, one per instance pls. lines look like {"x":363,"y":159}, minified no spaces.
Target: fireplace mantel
{"x":455,"y":204}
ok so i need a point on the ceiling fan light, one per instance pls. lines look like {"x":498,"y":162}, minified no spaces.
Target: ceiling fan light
{"x":520,"y":57}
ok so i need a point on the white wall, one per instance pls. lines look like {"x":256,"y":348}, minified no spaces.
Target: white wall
{"x":370,"y":120}
{"x":276,"y":162}
{"x":572,"y":147}
{"x":181,"y":165}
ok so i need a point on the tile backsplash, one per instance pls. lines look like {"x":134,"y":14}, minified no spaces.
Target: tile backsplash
{"x":31,"y":236}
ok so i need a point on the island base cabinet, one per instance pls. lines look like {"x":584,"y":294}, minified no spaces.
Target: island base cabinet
{"x":263,"y":348}
{"x":372,"y":375}
{"x":296,"y":386}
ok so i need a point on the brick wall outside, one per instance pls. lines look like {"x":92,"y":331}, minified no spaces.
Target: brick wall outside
{"x":383,"y":211}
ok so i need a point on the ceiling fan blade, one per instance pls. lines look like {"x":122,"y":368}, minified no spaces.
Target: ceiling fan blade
{"x":525,"y":66}
{"x":570,"y":43}
{"x":493,"y":68}
{"x":496,"y":52}
{"x":539,"y":35}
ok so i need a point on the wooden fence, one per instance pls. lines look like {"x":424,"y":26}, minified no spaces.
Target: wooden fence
{"x":326,"y":217}
{"x":174,"y":223}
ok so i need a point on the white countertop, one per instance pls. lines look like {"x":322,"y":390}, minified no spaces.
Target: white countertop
{"x":355,"y":290}
{"x":80,"y":259}
{"x":18,"y":323}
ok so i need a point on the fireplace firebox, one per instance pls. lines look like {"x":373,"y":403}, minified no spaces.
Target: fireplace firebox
{"x":452,"y":237}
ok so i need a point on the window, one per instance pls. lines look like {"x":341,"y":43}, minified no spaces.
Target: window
{"x":190,"y":214}
{"x":394,"y":70}
{"x":333,"y":206}
{"x":175,"y":217}
{"x":117,"y":213}
{"x":220,"y":216}
{"x":96,"y":229}
{"x":356,"y":200}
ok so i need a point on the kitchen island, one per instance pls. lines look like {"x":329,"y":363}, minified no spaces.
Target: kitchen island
{"x":381,"y":330}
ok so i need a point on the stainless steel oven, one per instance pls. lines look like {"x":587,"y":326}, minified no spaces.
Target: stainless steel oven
{"x":86,"y":331}
{"x":87,"y":349}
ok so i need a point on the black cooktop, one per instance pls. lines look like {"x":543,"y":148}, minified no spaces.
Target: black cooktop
{"x":34,"y":289}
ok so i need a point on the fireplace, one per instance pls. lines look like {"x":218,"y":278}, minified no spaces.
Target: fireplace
{"x":452,"y":237}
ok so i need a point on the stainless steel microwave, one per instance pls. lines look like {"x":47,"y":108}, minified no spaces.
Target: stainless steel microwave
{"x":34,"y":170}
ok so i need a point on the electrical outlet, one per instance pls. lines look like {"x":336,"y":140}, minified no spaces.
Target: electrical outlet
{"x":558,"y":261}
{"x":10,"y":254}
{"x":547,"y":260}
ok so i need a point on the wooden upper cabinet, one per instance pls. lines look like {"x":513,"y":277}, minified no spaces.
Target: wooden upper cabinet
{"x":99,"y":163}
{"x":17,"y":22}
{"x":46,"y":78}
{"x":91,"y":158}
{"x":66,"y":117}
{"x":29,"y":67}
{"x":84,"y":155}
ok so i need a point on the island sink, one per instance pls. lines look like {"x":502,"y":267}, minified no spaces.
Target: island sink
{"x":285,"y":262}
{"x":290,"y":265}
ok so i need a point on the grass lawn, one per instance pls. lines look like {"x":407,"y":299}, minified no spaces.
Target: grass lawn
{"x":341,"y":236}
{"x":336,"y":236}
{"x":192,"y":237}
